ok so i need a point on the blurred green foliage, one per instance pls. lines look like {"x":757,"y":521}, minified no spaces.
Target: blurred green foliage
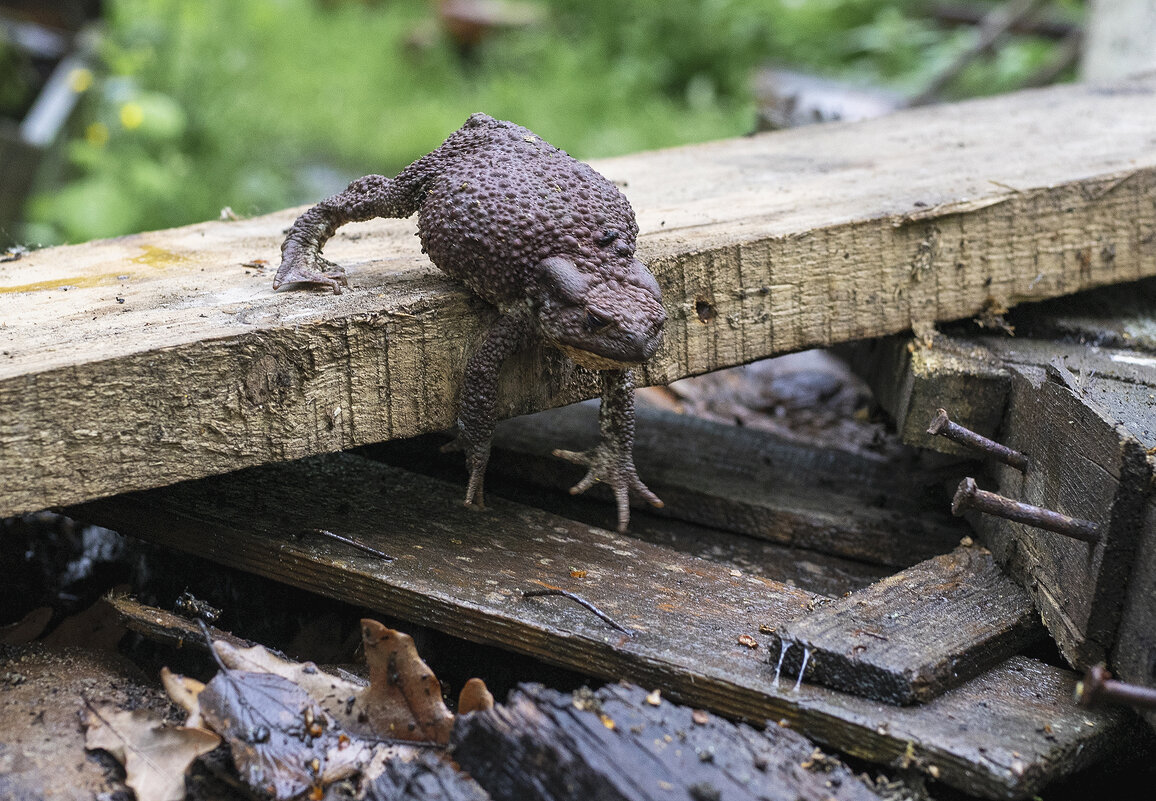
{"x":262,"y":104}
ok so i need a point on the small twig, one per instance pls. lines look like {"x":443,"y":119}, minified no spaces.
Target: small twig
{"x":582,"y":602}
{"x":361,"y":546}
{"x":996,"y":24}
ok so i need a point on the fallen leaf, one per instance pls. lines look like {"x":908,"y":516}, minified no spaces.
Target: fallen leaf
{"x":404,"y":698}
{"x":281,"y":739}
{"x":336,"y":695}
{"x":185,"y":693}
{"x":155,"y":756}
{"x":474,"y":697}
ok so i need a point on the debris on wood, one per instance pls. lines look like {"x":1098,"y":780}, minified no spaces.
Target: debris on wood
{"x":612,"y":743}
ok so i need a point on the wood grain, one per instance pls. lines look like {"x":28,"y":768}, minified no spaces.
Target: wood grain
{"x":907,"y":638}
{"x":867,"y":507}
{"x":1080,"y":400}
{"x":148,"y":359}
{"x":1003,"y":735}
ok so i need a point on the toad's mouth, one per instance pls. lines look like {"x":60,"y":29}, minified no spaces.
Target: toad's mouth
{"x":592,"y":361}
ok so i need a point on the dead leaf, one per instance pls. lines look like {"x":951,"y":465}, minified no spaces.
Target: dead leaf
{"x":155,"y":756}
{"x":474,"y":697}
{"x":336,"y":695}
{"x":185,"y":693}
{"x":282,"y":741}
{"x":404,"y":698}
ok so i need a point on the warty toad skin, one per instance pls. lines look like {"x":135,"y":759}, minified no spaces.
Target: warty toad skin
{"x":545,"y":239}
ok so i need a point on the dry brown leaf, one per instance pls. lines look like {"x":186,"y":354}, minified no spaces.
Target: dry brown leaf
{"x":404,"y":698}
{"x":336,"y":695}
{"x":155,"y":756}
{"x":185,"y":693}
{"x":99,"y":626}
{"x":282,"y":741}
{"x":475,"y":697}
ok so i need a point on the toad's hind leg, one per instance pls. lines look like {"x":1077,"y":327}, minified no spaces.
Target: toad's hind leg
{"x":612,"y":461}
{"x":364,"y":199}
{"x":508,"y":334}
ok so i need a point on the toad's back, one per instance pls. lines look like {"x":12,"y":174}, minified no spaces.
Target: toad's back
{"x":496,"y":199}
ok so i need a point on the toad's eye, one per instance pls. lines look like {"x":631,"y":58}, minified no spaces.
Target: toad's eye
{"x":595,"y":321}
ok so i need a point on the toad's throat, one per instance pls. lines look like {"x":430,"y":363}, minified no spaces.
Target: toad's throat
{"x":592,"y":361}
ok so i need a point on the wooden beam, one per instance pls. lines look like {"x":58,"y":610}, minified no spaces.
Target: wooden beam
{"x":1003,"y":735}
{"x":912,"y":381}
{"x":859,"y":506}
{"x":148,"y":359}
{"x":909,"y":637}
{"x":1080,"y":404}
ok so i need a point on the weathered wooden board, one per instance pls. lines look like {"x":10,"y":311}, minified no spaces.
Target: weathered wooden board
{"x":1106,"y":341}
{"x":911,"y":636}
{"x":1002,"y":735}
{"x":618,"y":744}
{"x":153,"y":358}
{"x":860,"y":506}
{"x":1085,"y":415}
{"x":912,"y":382}
{"x":813,"y":571}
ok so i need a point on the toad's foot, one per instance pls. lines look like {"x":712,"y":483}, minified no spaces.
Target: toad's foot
{"x":302,"y":266}
{"x":477,"y":457}
{"x":615,"y":468}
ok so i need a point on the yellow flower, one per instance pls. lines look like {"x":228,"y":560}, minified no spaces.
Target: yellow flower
{"x":80,"y":79}
{"x":131,"y":116}
{"x":96,"y":134}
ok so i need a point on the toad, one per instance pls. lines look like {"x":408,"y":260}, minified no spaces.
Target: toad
{"x":545,"y":239}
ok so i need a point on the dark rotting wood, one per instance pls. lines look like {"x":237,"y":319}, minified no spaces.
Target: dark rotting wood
{"x":620,"y":743}
{"x":910,"y":637}
{"x":857,"y":506}
{"x":1003,"y":735}
{"x":425,"y":777}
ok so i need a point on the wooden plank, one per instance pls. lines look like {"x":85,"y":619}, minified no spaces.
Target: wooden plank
{"x":619,"y":744}
{"x":1084,"y":464}
{"x":1106,"y":341}
{"x":912,"y":380}
{"x":813,"y":571}
{"x":1134,"y":658}
{"x":1002,"y":735}
{"x":859,"y":506}
{"x":909,"y":637}
{"x":153,"y":358}
{"x":1084,"y":414}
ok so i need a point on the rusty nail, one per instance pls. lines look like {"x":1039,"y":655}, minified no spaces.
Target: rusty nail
{"x":944,"y":427}
{"x":1098,"y":687}
{"x":969,"y":496}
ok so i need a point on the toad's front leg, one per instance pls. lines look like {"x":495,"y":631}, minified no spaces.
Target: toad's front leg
{"x":364,"y":199}
{"x":479,"y":403}
{"x":612,"y":461}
